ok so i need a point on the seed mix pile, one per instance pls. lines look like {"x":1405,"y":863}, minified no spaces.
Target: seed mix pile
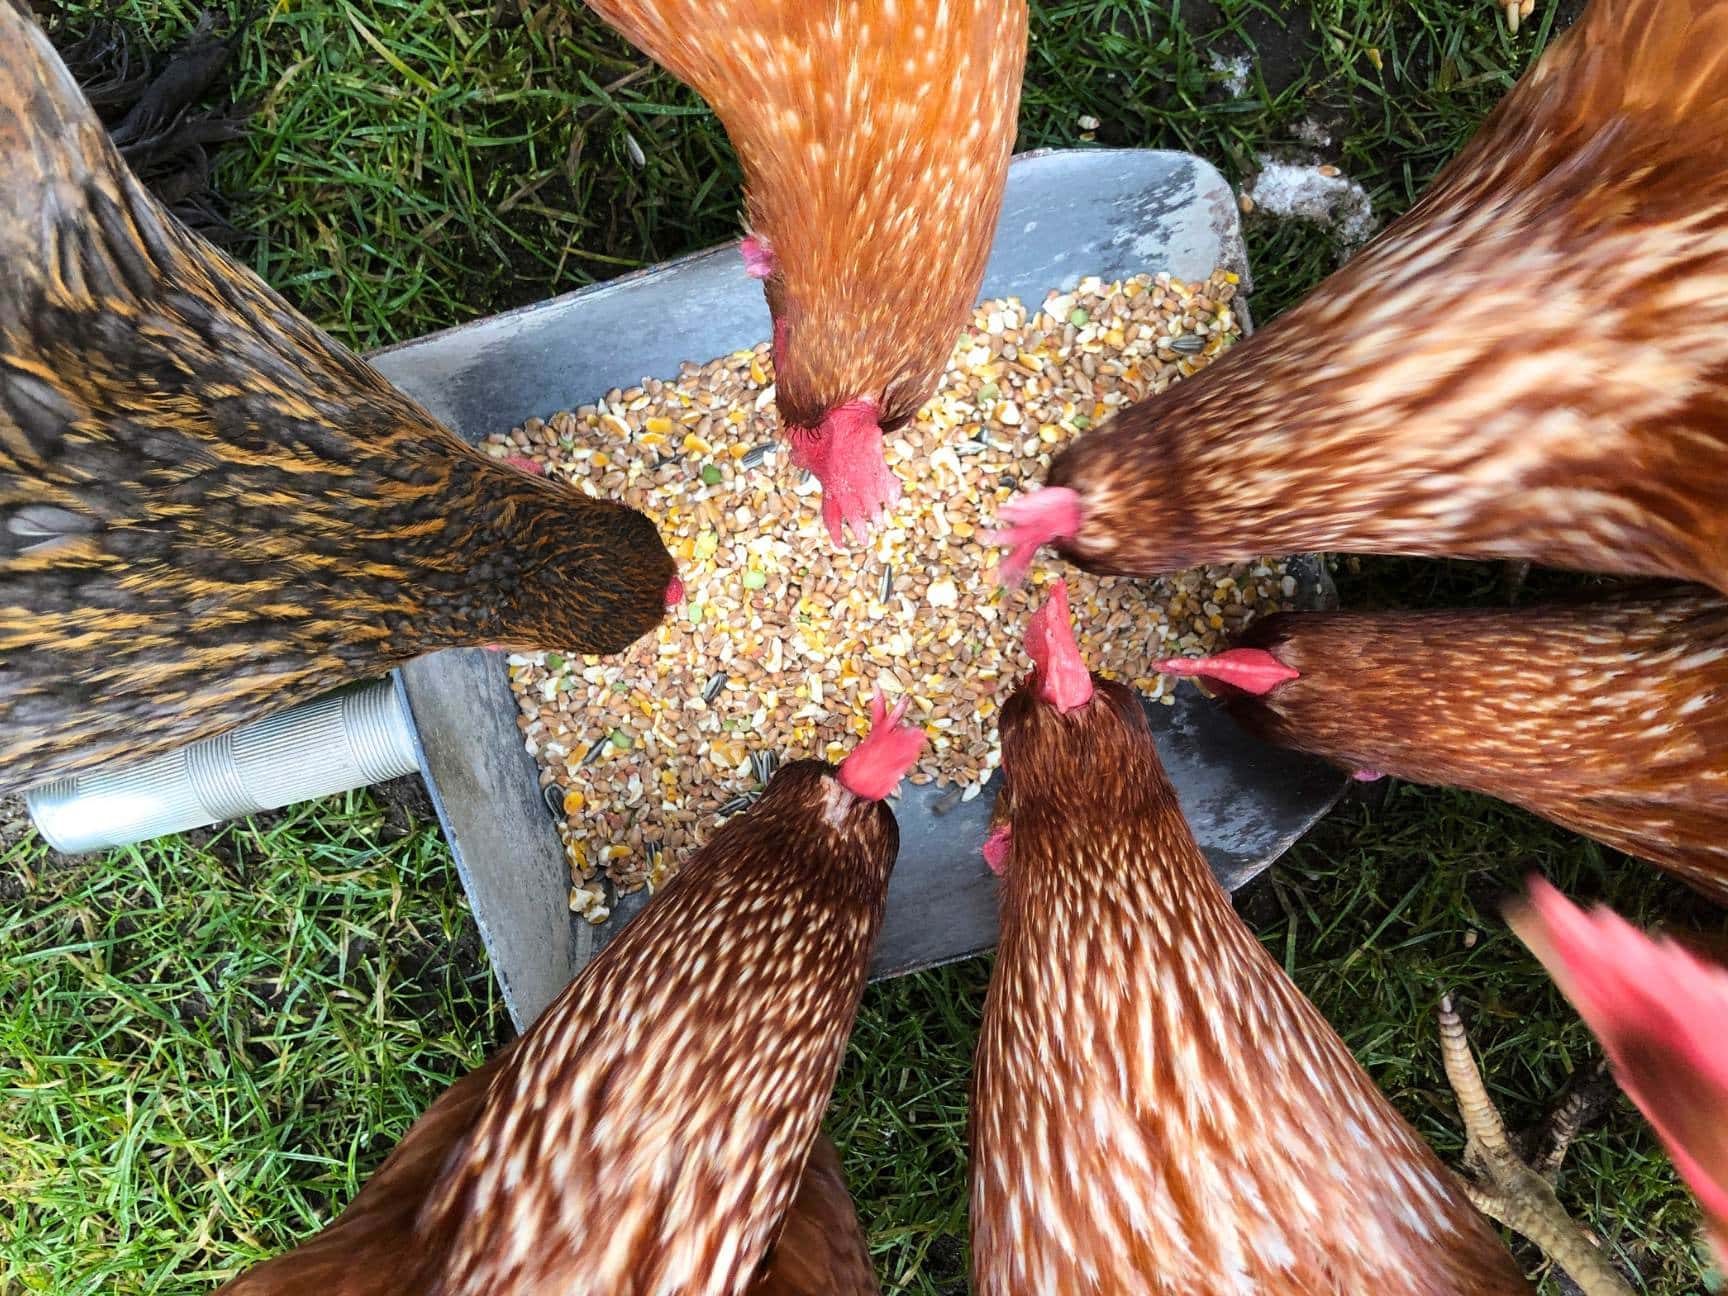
{"x":782,"y":639}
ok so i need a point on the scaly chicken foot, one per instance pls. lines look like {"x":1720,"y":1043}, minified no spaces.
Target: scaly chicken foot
{"x":1511,"y":1192}
{"x":1588,"y":1097}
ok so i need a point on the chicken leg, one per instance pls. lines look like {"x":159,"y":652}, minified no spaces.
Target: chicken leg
{"x":1508,"y":1190}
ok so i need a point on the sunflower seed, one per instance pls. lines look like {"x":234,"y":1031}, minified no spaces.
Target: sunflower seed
{"x":947,"y":801}
{"x":757,"y":454}
{"x":711,"y":689}
{"x":761,"y":765}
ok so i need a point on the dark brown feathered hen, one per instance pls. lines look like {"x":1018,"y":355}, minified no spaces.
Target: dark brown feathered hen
{"x":875,"y":137}
{"x":1531,"y":364}
{"x":1608,"y":716}
{"x":1157,"y":1108}
{"x":646,"y":1137}
{"x":208,"y":509}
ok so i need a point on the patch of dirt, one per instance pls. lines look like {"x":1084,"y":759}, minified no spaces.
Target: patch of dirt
{"x":1279,"y":48}
{"x":405,"y":802}
{"x":15,"y":823}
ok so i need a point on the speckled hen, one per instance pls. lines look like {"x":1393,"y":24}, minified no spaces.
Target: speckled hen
{"x":1607,"y":715}
{"x":1157,"y":1107}
{"x":648,"y":1134}
{"x":874,"y":137}
{"x":208,"y":509}
{"x":1531,"y":364}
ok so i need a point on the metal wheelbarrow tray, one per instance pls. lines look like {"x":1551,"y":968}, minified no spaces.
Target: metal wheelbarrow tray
{"x":1067,"y":214}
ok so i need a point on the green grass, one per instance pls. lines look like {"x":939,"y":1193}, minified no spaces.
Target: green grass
{"x":205,"y":1045}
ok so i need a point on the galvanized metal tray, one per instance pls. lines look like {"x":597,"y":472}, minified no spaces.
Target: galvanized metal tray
{"x":1067,"y":215}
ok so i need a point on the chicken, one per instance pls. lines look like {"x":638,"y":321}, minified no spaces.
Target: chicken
{"x":1157,"y":1108}
{"x":1608,"y":715}
{"x":822,"y":1250}
{"x":1508,"y":1189}
{"x":874,"y":138}
{"x":646,"y":1136}
{"x":1531,"y":364}
{"x":208,"y":509}
{"x":1658,"y":1010}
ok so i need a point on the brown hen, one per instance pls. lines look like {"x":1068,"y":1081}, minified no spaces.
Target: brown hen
{"x":821,"y":1251}
{"x":1608,"y":716}
{"x":208,"y":509}
{"x":1157,"y":1108}
{"x":1531,"y":364}
{"x":874,"y":138}
{"x":647,"y":1135}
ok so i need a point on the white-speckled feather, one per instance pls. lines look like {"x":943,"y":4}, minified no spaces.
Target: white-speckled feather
{"x":1157,"y":1108}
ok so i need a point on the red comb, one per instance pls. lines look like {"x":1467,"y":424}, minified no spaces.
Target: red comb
{"x":674,"y":592}
{"x":1063,"y":680}
{"x":1052,"y":513}
{"x":877,"y":764}
{"x":525,"y":464}
{"x":758,"y":257}
{"x":1253,"y":670}
{"x":1662,"y":1016}
{"x":996,"y":848}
